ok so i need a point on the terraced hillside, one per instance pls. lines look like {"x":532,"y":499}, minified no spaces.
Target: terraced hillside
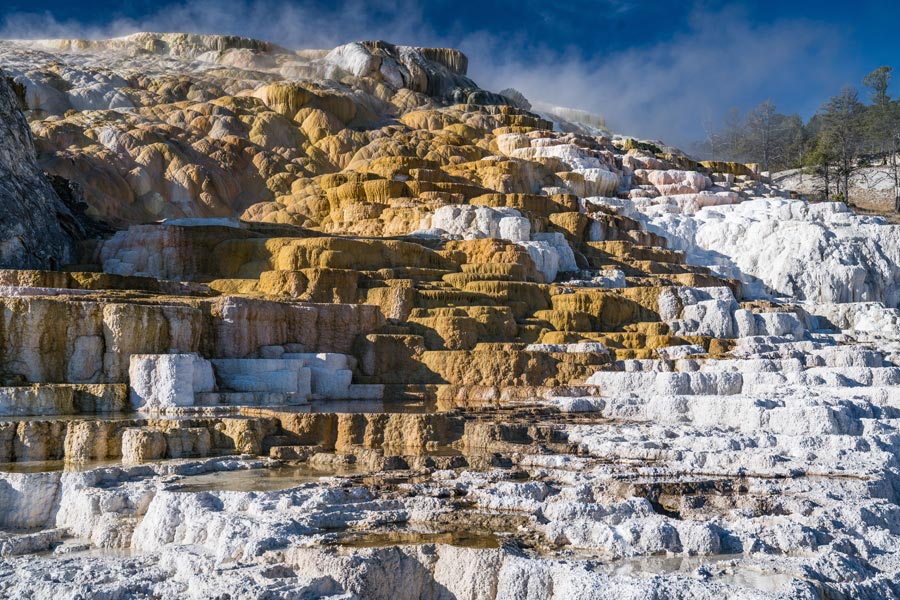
{"x":301,"y":324}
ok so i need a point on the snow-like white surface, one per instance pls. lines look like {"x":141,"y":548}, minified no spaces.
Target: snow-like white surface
{"x":165,"y":380}
{"x":550,"y":252}
{"x":816,"y":252}
{"x":162,"y":381}
{"x":673,"y":181}
{"x":474,"y":222}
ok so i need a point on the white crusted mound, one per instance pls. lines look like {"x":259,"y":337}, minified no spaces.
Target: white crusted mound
{"x":816,"y":252}
{"x":550,"y":252}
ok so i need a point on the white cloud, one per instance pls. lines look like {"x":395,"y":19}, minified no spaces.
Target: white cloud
{"x":291,"y":24}
{"x":665,"y":91}
{"x":662,"y":91}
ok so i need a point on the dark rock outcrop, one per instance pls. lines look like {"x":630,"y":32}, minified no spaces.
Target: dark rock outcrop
{"x":36,"y":228}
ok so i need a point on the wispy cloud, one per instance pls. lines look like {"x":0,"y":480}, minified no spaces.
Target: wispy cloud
{"x":662,"y":90}
{"x":292,"y":24}
{"x":666,"y":90}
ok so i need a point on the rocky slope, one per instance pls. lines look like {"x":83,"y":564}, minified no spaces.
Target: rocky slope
{"x":36,"y":229}
{"x":361,"y":329}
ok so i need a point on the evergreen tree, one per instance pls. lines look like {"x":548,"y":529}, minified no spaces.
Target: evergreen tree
{"x":842,"y":133}
{"x":883,"y":124}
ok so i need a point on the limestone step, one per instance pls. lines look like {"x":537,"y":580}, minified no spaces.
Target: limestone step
{"x":63,"y":399}
{"x":83,"y":439}
{"x":731,"y":382}
{"x":289,"y":452}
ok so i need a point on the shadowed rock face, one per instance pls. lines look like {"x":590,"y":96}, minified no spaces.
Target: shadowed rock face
{"x":35,"y":226}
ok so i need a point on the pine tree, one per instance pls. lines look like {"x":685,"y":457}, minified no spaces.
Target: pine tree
{"x":883,"y":124}
{"x":842,"y":133}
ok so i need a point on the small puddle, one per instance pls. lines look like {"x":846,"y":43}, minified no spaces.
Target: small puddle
{"x":90,"y":552}
{"x":656,"y":565}
{"x":730,"y":569}
{"x":260,"y":480}
{"x":50,"y":466}
{"x":99,"y":416}
{"x":757,"y":579}
{"x":347,"y":406}
{"x":464,"y":539}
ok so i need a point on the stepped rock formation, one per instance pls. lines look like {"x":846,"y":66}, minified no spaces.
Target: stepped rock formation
{"x":347,"y":325}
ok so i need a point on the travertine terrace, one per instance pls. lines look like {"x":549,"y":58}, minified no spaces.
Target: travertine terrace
{"x":340,"y":323}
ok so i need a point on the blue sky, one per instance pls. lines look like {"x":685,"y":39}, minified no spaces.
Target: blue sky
{"x":660,"y":69}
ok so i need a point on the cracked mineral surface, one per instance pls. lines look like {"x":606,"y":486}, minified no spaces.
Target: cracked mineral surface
{"x":341,"y":324}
